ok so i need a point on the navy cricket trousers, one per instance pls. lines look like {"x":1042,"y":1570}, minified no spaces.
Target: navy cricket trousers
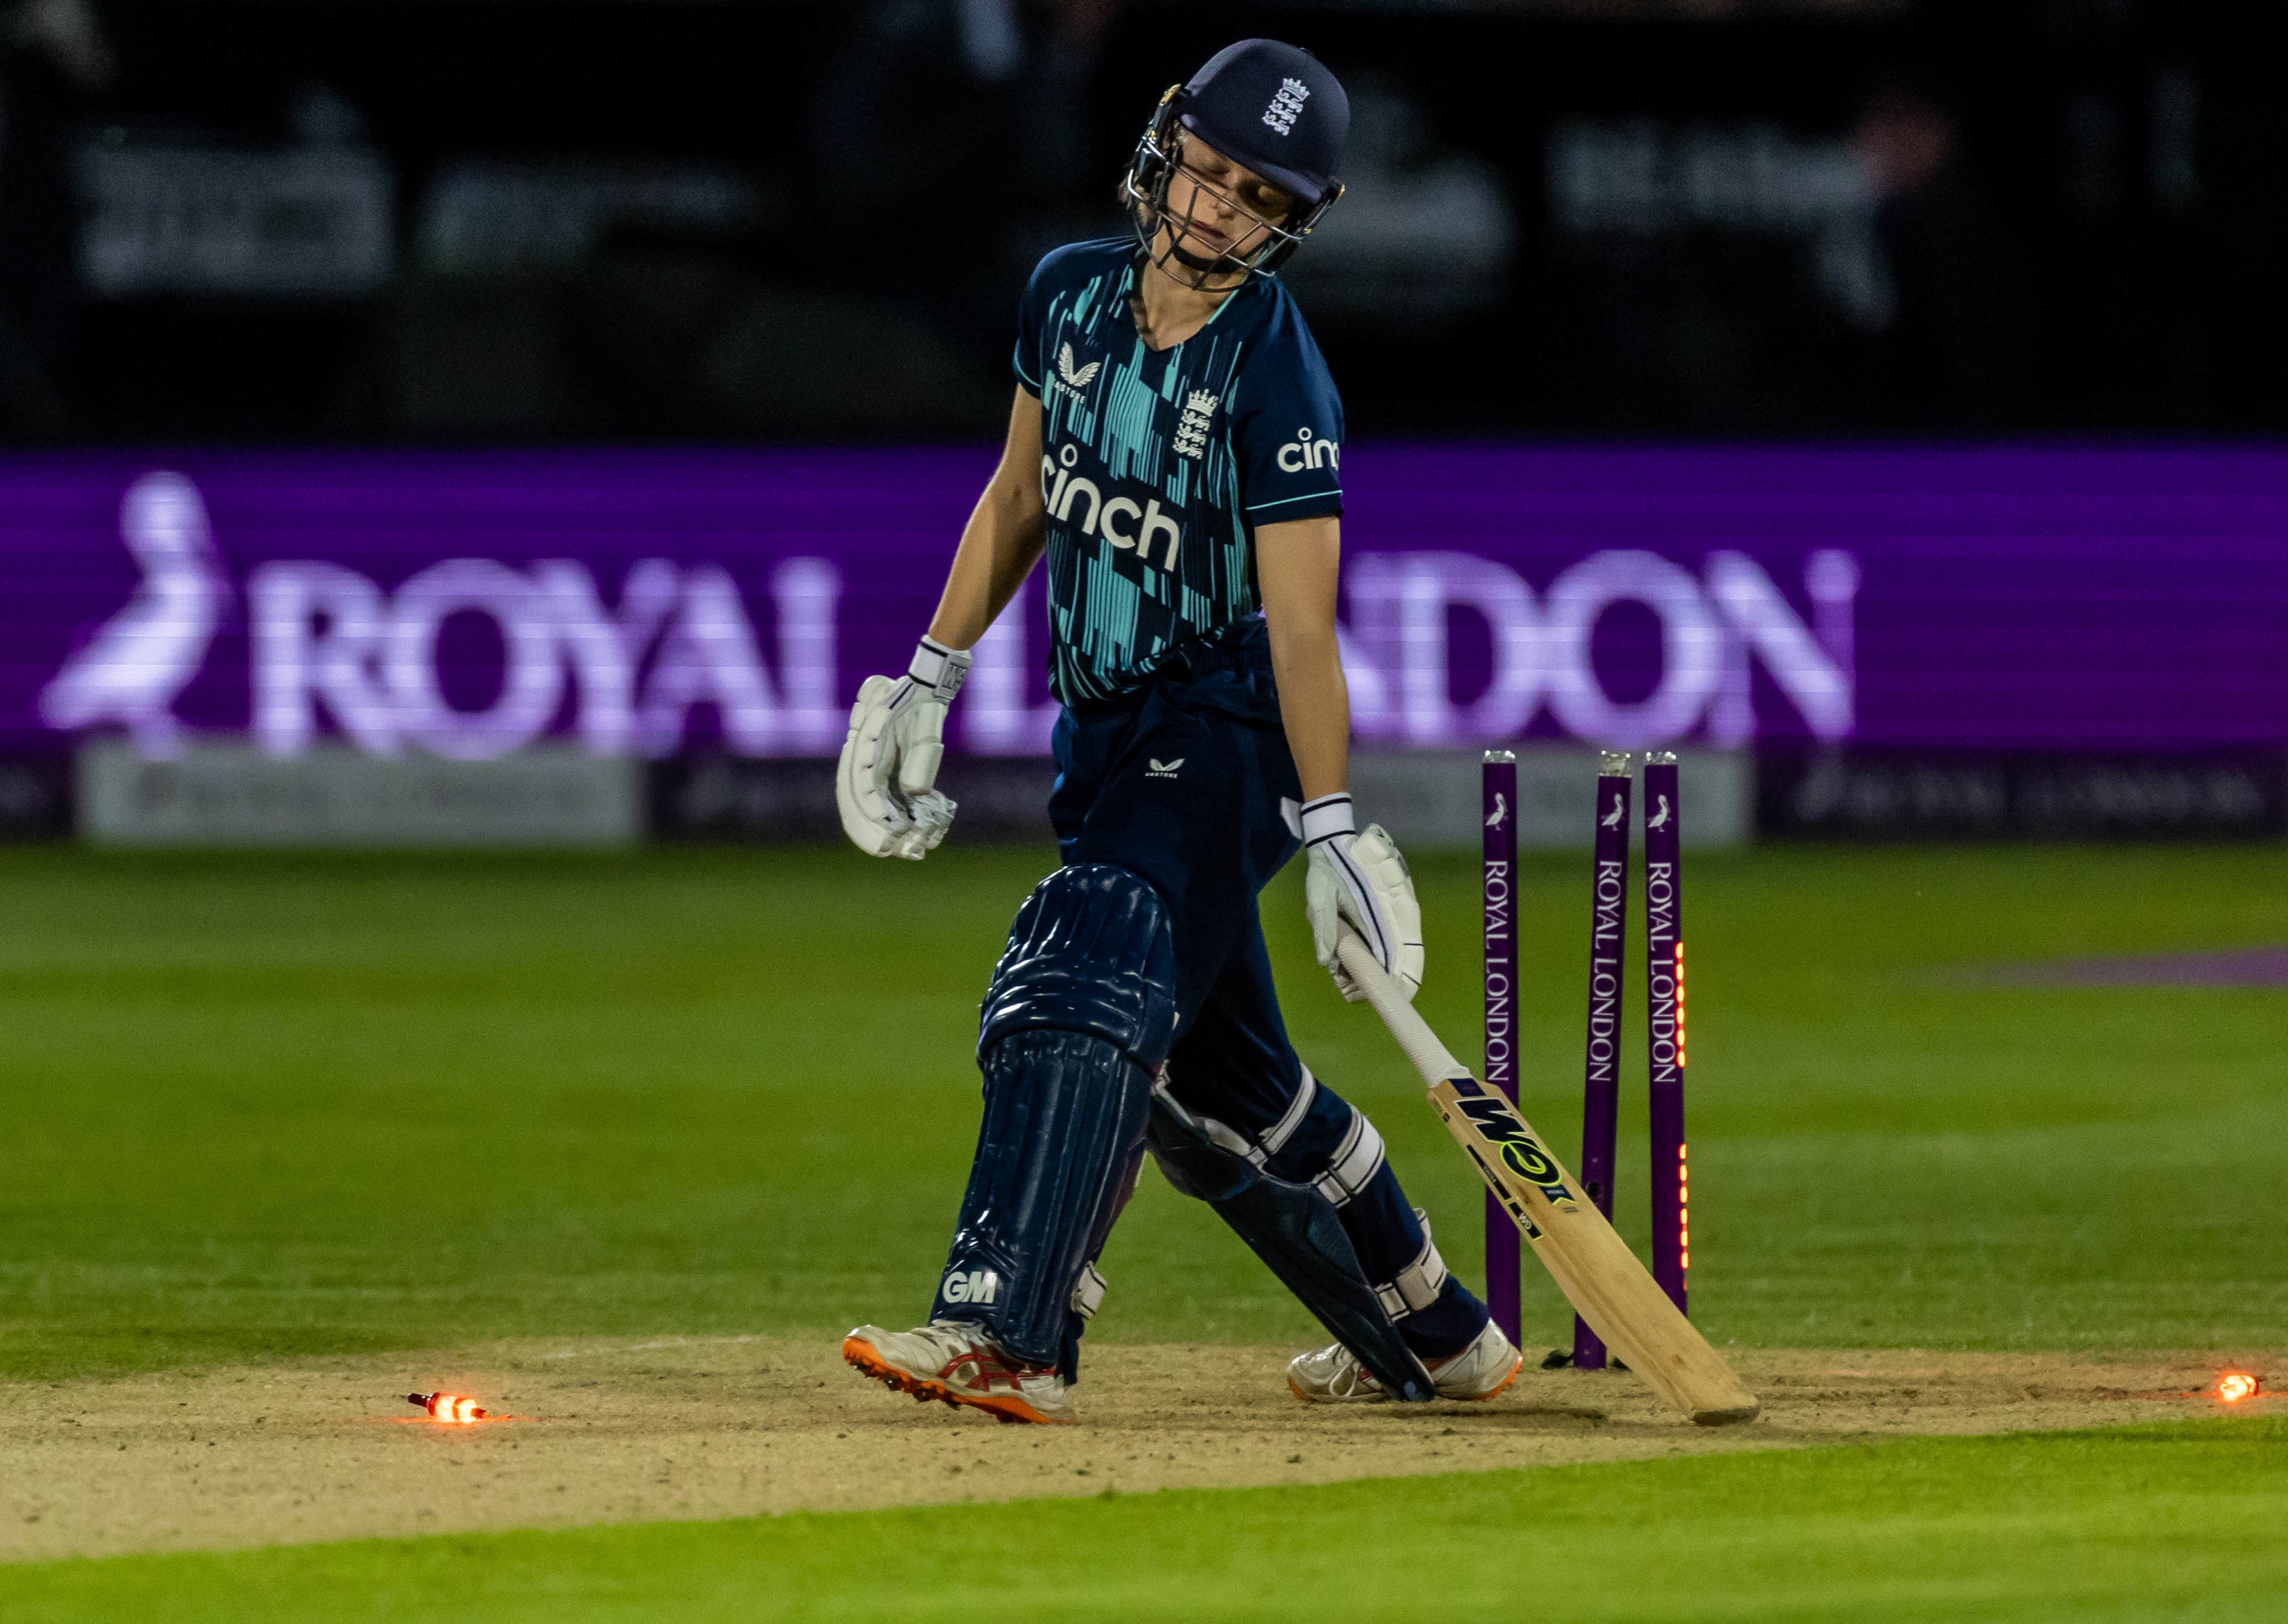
{"x":1182,"y":784}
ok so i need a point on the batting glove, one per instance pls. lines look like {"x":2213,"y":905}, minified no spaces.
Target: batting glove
{"x":884,"y":785}
{"x":1360,"y":879}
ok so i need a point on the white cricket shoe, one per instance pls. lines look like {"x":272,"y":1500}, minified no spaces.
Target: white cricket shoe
{"x":957,"y":1363}
{"x":1332,"y":1375}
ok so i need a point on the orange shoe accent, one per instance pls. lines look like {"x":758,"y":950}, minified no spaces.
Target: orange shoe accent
{"x":1506,"y":1381}
{"x":1009,"y":1409}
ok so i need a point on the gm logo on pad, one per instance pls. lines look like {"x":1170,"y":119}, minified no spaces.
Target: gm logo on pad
{"x":970,"y":1286}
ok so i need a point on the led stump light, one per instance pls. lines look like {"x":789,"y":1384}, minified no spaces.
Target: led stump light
{"x":451,"y":1408}
{"x":2235,"y":1385}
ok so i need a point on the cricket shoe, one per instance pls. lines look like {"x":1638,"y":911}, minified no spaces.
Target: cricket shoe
{"x":1333,"y":1374}
{"x":956,"y":1364}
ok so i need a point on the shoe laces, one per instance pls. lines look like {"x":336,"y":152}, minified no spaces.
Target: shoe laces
{"x":1350,"y":1377}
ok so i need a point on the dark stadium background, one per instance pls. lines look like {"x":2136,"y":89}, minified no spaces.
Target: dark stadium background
{"x":2117,"y":222}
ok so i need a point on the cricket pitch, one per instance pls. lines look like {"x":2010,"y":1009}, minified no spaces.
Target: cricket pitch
{"x":601,"y":1431}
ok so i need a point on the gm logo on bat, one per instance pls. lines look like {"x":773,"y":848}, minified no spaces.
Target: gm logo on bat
{"x":1493,"y":1117}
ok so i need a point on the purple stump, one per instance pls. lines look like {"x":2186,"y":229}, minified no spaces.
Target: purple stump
{"x":1498,"y":894}
{"x":1671,"y":1237}
{"x":1609,"y":935}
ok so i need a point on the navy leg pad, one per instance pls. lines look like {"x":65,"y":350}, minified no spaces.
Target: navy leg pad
{"x":1335,"y":1149}
{"x":1079,"y":1015}
{"x":1298,"y":1232}
{"x":1091,"y":952}
{"x":1063,"y":1113}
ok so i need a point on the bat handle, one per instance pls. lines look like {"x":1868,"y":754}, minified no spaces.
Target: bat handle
{"x":1430,"y":1057}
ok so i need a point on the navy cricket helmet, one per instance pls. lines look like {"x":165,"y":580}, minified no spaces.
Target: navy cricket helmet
{"x":1274,"y":107}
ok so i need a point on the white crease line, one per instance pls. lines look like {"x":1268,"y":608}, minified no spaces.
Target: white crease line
{"x":645,"y":1347}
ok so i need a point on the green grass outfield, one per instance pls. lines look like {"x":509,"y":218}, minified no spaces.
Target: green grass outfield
{"x":267,"y":1107}
{"x":2167,"y":1521}
{"x":263,"y":1105}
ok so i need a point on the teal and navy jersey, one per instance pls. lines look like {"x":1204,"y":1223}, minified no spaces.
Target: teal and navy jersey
{"x":1158,"y":465}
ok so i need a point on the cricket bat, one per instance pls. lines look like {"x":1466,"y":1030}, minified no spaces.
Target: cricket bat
{"x":1594,"y":1268}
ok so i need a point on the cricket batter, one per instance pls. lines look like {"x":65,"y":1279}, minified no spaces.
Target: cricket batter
{"x":1174,"y":451}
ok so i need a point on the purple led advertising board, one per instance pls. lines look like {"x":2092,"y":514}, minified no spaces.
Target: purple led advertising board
{"x":658,"y":602}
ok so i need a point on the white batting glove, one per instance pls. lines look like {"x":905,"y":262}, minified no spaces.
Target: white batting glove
{"x":884,"y":784}
{"x":1361,"y":880}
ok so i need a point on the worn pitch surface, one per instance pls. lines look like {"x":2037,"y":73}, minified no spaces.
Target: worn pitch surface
{"x":627,"y":1431}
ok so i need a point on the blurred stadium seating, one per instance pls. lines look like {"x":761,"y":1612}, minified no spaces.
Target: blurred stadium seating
{"x":267,"y":219}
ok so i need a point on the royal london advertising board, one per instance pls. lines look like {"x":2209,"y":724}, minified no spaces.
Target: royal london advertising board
{"x":468,"y":605}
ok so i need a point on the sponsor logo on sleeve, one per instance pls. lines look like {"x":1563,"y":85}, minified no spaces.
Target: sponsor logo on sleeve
{"x":1304,"y":452}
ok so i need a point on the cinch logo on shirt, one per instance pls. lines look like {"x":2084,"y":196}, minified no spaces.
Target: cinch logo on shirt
{"x":1304,"y":452}
{"x":1061,"y":497}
